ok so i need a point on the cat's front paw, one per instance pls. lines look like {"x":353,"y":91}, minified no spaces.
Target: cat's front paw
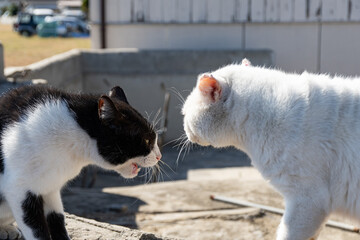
{"x":9,"y":232}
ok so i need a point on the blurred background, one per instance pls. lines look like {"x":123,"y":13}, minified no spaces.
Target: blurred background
{"x":154,"y":50}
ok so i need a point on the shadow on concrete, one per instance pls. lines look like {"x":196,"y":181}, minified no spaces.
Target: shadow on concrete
{"x":174,"y":167}
{"x":101,"y":206}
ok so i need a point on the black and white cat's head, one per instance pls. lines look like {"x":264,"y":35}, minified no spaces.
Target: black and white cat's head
{"x":207,"y":110}
{"x":127,"y":140}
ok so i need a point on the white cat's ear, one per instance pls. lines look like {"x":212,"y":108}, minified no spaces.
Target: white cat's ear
{"x":106,"y":109}
{"x":245,"y":62}
{"x":210,"y":88}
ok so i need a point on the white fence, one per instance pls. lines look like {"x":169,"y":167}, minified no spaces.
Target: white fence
{"x":226,"y":11}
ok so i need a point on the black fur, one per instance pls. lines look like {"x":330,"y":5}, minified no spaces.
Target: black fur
{"x":119,"y":138}
{"x":56,"y":223}
{"x":33,"y":208}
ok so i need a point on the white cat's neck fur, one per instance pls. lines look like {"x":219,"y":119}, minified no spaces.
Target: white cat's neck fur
{"x":302,"y":132}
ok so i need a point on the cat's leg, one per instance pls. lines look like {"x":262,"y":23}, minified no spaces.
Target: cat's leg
{"x":55,"y":217}
{"x":302,"y":220}
{"x":7,"y":229}
{"x":28,"y":210}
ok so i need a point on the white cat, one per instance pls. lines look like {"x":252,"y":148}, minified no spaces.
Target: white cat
{"x":302,"y":132}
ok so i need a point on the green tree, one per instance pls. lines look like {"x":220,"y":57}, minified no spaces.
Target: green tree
{"x":13,"y":9}
{"x":85,"y":7}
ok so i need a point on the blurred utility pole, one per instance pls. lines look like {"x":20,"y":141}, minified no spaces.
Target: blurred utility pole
{"x":103,"y":23}
{"x":2,"y":65}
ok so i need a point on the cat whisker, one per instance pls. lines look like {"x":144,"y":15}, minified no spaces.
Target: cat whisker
{"x":182,"y":139}
{"x":147,"y":116}
{"x":163,"y":171}
{"x":178,"y":95}
{"x":147,"y":175}
{"x":156,"y":118}
{"x":187,"y":144}
{"x":172,"y":141}
{"x":156,"y":171}
{"x":167,"y":165}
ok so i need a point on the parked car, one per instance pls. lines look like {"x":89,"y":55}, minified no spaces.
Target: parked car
{"x":74,"y":13}
{"x":51,"y":29}
{"x":62,"y":26}
{"x":26,"y":22}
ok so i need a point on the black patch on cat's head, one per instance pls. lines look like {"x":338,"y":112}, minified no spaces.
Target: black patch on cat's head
{"x":125,"y":133}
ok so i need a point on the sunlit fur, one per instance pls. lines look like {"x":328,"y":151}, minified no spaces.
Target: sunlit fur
{"x":48,"y":136}
{"x":301,"y":131}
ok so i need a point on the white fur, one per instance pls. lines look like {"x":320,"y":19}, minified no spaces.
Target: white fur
{"x":302,"y":132}
{"x":42,"y":152}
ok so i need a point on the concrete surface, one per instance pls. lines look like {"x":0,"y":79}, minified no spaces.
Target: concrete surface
{"x":82,"y":228}
{"x":183,"y":208}
{"x":145,"y":75}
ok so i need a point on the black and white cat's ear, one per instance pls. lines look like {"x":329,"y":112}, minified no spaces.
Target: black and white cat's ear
{"x":210,"y":88}
{"x":106,"y":109}
{"x":118,"y":92}
{"x":245,"y":62}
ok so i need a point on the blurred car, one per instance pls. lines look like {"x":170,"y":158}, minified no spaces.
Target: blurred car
{"x":51,"y":29}
{"x":27,"y":22}
{"x":79,"y":14}
{"x":63,"y":26}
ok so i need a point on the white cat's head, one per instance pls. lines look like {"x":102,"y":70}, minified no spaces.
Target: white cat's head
{"x":207,"y":110}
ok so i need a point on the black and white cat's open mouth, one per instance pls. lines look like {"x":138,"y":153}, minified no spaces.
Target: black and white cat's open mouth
{"x":135,"y":169}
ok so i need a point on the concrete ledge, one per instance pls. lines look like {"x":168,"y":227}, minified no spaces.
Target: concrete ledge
{"x":63,"y":70}
{"x":82,"y":228}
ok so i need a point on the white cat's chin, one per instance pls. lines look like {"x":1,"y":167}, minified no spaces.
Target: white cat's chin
{"x":198,"y":141}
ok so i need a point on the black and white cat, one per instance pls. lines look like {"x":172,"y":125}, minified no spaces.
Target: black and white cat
{"x":47,"y":137}
{"x":301,"y":131}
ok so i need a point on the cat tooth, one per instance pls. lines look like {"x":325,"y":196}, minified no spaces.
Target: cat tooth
{"x":138,"y":170}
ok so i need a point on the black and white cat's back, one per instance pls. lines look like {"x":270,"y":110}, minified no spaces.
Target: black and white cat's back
{"x":48,"y":136}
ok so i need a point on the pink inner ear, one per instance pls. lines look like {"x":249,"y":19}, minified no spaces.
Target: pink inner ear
{"x":245,"y":62}
{"x":100,"y":104}
{"x":209,"y":86}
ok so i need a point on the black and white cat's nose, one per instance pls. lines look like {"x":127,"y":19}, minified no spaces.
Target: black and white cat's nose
{"x":158,"y":156}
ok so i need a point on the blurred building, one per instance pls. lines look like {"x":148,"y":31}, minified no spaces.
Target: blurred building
{"x":316,"y":35}
{"x":51,"y":4}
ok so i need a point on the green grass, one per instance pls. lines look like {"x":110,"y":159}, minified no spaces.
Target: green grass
{"x":21,"y":51}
